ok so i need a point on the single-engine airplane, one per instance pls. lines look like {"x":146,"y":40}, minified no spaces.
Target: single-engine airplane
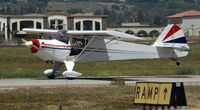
{"x":68,"y":47}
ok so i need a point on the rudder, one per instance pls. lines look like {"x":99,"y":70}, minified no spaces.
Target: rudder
{"x":172,"y":36}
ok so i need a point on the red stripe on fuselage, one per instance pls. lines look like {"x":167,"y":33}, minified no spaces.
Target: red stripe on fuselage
{"x":173,"y":30}
{"x":56,"y":45}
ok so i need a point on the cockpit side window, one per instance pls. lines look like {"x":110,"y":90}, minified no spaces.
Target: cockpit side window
{"x":78,"y":44}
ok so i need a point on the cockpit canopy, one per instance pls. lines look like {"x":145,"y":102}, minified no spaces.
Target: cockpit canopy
{"x":61,"y":36}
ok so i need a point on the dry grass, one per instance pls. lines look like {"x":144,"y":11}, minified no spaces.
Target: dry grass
{"x":76,"y":98}
{"x":68,"y":98}
{"x":8,"y":43}
{"x":193,"y":96}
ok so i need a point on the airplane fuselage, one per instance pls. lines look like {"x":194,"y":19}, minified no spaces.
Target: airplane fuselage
{"x":68,"y":47}
{"x":54,"y":50}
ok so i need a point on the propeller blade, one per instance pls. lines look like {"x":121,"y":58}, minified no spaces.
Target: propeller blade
{"x":24,"y":41}
{"x":35,"y":47}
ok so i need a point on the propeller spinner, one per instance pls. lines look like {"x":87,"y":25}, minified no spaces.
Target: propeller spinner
{"x":32,"y":45}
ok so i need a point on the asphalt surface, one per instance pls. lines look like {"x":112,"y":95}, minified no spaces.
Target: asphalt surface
{"x":94,"y":81}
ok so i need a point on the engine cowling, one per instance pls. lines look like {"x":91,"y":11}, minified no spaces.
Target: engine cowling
{"x":36,"y":43}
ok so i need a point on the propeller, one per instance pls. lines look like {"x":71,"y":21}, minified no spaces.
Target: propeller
{"x":30,"y":44}
{"x":24,"y":41}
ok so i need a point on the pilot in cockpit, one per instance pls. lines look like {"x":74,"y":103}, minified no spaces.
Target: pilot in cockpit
{"x":61,"y":36}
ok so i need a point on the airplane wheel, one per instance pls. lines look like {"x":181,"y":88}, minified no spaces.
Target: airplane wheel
{"x":70,"y":78}
{"x":51,"y":77}
{"x":178,"y":63}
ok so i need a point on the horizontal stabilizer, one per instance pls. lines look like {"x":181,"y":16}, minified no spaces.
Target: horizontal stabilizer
{"x":178,"y":47}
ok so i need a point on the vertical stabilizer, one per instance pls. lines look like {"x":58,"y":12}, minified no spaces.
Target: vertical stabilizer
{"x":173,"y":37}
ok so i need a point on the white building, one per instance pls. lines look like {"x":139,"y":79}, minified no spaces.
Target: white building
{"x":189,"y":21}
{"x":53,"y":20}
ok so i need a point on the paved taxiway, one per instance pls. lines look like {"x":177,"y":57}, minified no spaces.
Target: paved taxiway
{"x":94,"y":81}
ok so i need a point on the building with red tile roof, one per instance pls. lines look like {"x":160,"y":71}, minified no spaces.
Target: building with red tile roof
{"x":188,"y":20}
{"x":185,"y":14}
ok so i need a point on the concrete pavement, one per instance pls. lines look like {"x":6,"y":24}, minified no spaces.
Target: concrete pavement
{"x":94,"y":81}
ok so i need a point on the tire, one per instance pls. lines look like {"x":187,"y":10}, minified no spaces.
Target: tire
{"x":178,"y":63}
{"x":51,"y":77}
{"x":70,"y":78}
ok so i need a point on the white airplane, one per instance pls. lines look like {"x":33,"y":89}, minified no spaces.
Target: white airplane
{"x":68,"y":47}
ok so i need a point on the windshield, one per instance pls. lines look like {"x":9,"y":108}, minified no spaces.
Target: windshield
{"x":61,"y":36}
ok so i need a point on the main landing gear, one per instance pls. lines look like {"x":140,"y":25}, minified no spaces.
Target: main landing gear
{"x":177,"y":62}
{"x":51,"y":76}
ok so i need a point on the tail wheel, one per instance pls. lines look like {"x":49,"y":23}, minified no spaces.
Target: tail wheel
{"x":178,"y":63}
{"x":70,"y":78}
{"x":51,"y":77}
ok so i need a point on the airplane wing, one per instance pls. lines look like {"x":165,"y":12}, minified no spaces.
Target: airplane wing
{"x":46,"y":31}
{"x":104,"y":34}
{"x":100,"y":34}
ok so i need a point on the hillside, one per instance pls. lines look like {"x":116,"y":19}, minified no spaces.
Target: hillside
{"x":152,"y":12}
{"x":86,"y":7}
{"x":116,"y":12}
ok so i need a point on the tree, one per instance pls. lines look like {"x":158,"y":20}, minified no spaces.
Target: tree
{"x":106,"y":11}
{"x":97,"y":12}
{"x":74,"y":10}
{"x":115,"y":7}
{"x":157,"y":20}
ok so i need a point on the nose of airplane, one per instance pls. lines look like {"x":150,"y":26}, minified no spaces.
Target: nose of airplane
{"x":33,"y":45}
